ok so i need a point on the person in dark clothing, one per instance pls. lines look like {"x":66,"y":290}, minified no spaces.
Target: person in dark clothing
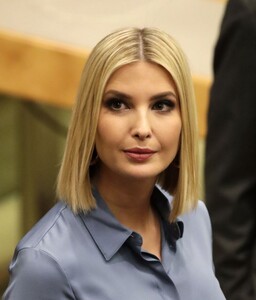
{"x":230,"y":163}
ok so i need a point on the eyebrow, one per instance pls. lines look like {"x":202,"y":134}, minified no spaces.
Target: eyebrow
{"x":164,"y":94}
{"x":118,"y":94}
{"x":155,"y":97}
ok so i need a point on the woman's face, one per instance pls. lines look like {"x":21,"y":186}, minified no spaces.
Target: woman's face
{"x":139,"y":124}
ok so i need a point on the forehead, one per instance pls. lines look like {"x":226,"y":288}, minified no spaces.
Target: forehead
{"x":141,"y":73}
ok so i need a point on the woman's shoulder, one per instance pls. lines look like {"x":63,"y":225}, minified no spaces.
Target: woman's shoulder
{"x":198,"y":218}
{"x":59,"y":229}
{"x":198,"y":214}
{"x":43,"y":227}
{"x":195,"y":219}
{"x":197,"y":227}
{"x":36,"y":265}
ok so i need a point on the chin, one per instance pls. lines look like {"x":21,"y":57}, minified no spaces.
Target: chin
{"x":143,"y":174}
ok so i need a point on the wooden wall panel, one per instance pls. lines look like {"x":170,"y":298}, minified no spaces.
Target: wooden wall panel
{"x":49,"y":72}
{"x":39,"y":70}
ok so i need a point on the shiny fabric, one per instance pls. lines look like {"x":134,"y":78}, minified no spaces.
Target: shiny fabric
{"x":92,"y":256}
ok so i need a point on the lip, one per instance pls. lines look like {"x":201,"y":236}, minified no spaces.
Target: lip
{"x":139,"y":154}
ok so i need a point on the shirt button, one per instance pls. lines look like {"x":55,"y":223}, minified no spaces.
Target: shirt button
{"x":139,"y":240}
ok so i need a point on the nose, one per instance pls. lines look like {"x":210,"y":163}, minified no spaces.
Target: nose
{"x":141,"y":127}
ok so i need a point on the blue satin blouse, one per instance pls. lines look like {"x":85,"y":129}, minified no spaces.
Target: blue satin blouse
{"x":93,"y":257}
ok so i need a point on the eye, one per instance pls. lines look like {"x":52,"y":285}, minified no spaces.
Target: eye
{"x":116,"y":104}
{"x":164,"y":105}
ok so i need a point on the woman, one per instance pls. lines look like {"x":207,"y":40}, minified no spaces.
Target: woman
{"x":115,"y":235}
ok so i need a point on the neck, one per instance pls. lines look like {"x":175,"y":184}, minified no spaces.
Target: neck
{"x":129,"y":200}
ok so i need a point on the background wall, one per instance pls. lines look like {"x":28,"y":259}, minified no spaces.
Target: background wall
{"x":194,"y":23}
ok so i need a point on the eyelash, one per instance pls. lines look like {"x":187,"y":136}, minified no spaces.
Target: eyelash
{"x":113,"y":101}
{"x":166,"y":104}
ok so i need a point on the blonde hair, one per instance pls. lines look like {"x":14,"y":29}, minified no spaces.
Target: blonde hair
{"x":120,"y":48}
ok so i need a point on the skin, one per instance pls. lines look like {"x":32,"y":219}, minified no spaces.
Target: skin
{"x":137,"y":138}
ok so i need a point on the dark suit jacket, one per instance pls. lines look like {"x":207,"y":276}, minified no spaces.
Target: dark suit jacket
{"x":230,"y":166}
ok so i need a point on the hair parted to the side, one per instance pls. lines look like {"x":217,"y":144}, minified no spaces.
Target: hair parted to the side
{"x":120,"y":48}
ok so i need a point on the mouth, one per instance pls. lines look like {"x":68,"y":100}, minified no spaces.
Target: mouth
{"x":139,"y":154}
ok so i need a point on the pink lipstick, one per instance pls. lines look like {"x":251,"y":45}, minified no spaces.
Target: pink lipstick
{"x":139,"y":154}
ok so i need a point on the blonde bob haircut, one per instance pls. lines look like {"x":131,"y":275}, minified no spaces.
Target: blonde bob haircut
{"x":118,"y":49}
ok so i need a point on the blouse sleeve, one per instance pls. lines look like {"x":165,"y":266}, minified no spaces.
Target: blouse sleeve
{"x":34,"y":274}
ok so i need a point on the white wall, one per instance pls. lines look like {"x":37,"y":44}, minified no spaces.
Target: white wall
{"x":194,"y":23}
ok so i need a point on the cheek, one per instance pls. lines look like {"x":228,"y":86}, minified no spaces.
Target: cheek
{"x":170,"y":133}
{"x":109,"y":133}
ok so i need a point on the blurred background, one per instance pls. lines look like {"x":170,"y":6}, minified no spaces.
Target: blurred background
{"x":43,"y":47}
